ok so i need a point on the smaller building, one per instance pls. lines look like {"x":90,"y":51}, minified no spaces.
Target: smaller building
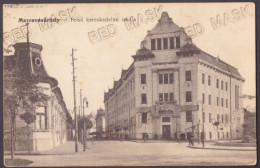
{"x":100,"y":122}
{"x":53,"y":122}
{"x":249,"y":123}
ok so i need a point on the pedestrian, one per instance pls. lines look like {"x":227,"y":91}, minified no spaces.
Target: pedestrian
{"x":188,"y":136}
{"x":202,"y":137}
{"x":147,"y":136}
{"x":176,"y":137}
{"x":191,"y":139}
{"x":144,"y":137}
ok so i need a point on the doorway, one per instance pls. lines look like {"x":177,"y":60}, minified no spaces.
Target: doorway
{"x":166,"y":131}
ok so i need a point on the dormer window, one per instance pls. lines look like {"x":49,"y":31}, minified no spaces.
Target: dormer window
{"x":171,"y":43}
{"x":178,"y":42}
{"x":159,"y":44}
{"x":153,"y":44}
{"x":165,"y":43}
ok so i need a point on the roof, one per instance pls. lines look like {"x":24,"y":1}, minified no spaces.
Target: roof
{"x":191,"y":48}
{"x":143,"y":52}
{"x":188,"y":48}
{"x":219,"y":63}
{"x":164,"y":25}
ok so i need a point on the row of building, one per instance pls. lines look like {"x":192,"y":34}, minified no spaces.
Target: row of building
{"x":174,"y":87}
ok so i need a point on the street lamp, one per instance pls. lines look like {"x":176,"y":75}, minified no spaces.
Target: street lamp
{"x":85,"y":100}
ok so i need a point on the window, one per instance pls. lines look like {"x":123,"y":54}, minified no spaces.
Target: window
{"x":41,"y":118}
{"x":226,"y":119}
{"x":171,"y":78}
{"x":226,"y":103}
{"x":218,"y":134}
{"x":166,"y":78}
{"x":203,"y":98}
{"x":159,"y":44}
{"x":188,"y":75}
{"x":171,"y":97}
{"x":236,"y":97}
{"x":178,"y":42}
{"x":222,"y":85}
{"x":153,"y":44}
{"x":222,"y":102}
{"x":227,"y":134}
{"x":203,"y":117}
{"x":226,"y":86}
{"x":166,"y":119}
{"x":209,"y":80}
{"x":223,"y":135}
{"x":203,"y":78}
{"x":209,"y":99}
{"x":217,"y":83}
{"x":171,"y":43}
{"x":165,"y":96}
{"x":210,"y":135}
{"x":143,"y":78}
{"x":188,"y":116}
{"x":144,"y":117}
{"x":210,"y":117}
{"x":160,"y":78}
{"x":165,"y":43}
{"x":188,"y":96}
{"x":217,"y":101}
{"x":143,"y":99}
{"x":222,"y":118}
{"x":160,"y":96}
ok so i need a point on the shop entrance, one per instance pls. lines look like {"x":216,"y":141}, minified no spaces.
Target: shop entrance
{"x":166,"y":131}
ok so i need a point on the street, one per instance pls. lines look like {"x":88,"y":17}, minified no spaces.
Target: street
{"x":123,"y":153}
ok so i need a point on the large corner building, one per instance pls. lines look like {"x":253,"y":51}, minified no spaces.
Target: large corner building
{"x":171,"y":86}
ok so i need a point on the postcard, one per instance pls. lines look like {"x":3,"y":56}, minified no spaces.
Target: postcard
{"x":129,"y":84}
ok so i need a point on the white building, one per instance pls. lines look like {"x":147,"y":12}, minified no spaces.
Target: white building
{"x":169,"y":83}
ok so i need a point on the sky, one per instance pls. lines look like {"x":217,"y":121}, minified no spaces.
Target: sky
{"x":100,"y":59}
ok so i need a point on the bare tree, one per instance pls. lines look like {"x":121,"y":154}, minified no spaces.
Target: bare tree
{"x":29,"y":118}
{"x":20,"y":94}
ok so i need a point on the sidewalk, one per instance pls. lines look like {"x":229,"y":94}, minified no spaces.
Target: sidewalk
{"x":156,"y":141}
{"x":67,"y":147}
{"x":212,"y":146}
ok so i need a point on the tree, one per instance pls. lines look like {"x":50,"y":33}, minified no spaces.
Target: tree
{"x":20,"y":94}
{"x":88,"y":122}
{"x":29,"y":118}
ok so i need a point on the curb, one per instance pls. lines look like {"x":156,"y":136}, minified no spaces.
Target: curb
{"x":37,"y":154}
{"x":222,"y":148}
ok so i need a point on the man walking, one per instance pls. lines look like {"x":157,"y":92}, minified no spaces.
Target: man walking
{"x":188,"y":136}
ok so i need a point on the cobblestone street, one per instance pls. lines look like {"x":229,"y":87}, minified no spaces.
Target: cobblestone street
{"x":112,"y":153}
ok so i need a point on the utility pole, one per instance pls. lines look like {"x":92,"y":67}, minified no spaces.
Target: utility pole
{"x":199,"y":132}
{"x":192,"y":130}
{"x":75,"y":110}
{"x":85,"y":100}
{"x":203,"y":121}
{"x":80,"y":114}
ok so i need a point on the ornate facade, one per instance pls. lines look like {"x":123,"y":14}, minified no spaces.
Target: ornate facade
{"x":171,"y":86}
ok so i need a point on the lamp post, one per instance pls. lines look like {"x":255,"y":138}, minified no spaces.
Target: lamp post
{"x":85,"y":100}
